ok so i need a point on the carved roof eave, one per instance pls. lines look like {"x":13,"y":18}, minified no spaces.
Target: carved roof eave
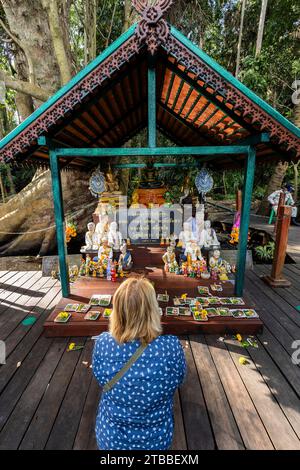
{"x":154,"y":32}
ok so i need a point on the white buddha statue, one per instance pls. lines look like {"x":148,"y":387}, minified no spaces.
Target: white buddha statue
{"x":185,"y":236}
{"x":91,"y":238}
{"x":115,"y":239}
{"x":102,"y":227}
{"x":208,"y":239}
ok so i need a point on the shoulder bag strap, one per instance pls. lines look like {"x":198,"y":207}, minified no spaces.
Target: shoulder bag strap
{"x":109,"y":385}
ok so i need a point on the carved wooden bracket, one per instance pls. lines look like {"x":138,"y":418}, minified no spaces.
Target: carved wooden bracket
{"x":152,"y":28}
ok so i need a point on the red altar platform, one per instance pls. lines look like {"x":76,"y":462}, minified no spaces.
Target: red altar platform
{"x":145,"y":258}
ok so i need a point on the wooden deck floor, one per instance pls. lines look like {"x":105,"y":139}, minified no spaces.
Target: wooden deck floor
{"x":48,"y":397}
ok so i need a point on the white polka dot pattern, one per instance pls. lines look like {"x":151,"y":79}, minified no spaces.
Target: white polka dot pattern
{"x":138,"y":412}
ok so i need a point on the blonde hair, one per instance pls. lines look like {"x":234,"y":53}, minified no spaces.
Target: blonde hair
{"x":135,"y":312}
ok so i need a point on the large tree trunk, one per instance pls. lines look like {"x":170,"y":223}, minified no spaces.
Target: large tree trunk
{"x":28,"y":22}
{"x":239,"y":47}
{"x":275,"y":183}
{"x":261,"y":27}
{"x":31,"y":210}
{"x":58,"y":11}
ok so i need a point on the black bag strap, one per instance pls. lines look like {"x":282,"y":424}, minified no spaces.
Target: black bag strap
{"x":109,"y":385}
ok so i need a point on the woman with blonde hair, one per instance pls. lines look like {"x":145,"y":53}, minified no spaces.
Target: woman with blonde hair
{"x":139,"y":370}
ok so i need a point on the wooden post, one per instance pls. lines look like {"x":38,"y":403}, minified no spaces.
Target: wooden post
{"x":282,"y":233}
{"x":238,"y":200}
{"x":151,"y":107}
{"x":245,"y":217}
{"x":281,"y":203}
{"x":59,"y":221}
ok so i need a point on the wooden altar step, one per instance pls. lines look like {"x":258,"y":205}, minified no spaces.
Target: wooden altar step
{"x":175,"y":285}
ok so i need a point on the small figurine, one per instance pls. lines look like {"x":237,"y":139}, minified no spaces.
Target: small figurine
{"x":169,"y":259}
{"x":115,"y":239}
{"x":223,"y":273}
{"x":193,"y":251}
{"x":215,"y":260}
{"x":101,"y":228}
{"x":208,"y":239}
{"x":105,"y":251}
{"x":125,"y":259}
{"x":91,"y":238}
{"x":135,"y":200}
{"x":87,"y":265}
{"x":113,"y":273}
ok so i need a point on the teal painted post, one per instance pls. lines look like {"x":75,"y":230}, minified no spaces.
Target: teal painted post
{"x":151,"y":107}
{"x":59,"y":221}
{"x":245,"y":217}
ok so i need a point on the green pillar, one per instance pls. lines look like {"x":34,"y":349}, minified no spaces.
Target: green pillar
{"x":245,"y":217}
{"x":60,"y":224}
{"x":151,"y":107}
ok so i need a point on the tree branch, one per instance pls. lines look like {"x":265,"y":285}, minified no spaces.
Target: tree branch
{"x":31,"y":76}
{"x":58,"y":41}
{"x":24,"y":87}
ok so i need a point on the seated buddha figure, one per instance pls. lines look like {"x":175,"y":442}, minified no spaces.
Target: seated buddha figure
{"x":115,"y":240}
{"x":102,"y":227}
{"x":150,"y":179}
{"x":208,"y":238}
{"x":91,"y":238}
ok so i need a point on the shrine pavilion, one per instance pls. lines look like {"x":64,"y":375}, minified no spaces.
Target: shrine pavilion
{"x":153,"y":77}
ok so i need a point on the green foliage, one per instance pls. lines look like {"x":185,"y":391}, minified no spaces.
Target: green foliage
{"x":265,"y":252}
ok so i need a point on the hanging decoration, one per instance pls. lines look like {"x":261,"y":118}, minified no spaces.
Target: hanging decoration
{"x":97,"y":183}
{"x":204,"y":182}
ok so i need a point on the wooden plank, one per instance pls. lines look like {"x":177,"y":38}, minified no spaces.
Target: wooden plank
{"x":225,"y":430}
{"x":199,"y":434}
{"x":42,"y":309}
{"x":85,"y":437}
{"x":290,"y":295}
{"x":279,"y":386}
{"x":12,"y":284}
{"x":64,"y":430}
{"x":39,"y":430}
{"x":252,"y":430}
{"x":12,"y":433}
{"x":179,"y":439}
{"x":278,"y":427}
{"x":282,"y":359}
{"x":14,"y":389}
{"x":25,"y":305}
{"x":24,"y":349}
{"x":10,"y":297}
{"x":274,"y":317}
{"x":7,"y":279}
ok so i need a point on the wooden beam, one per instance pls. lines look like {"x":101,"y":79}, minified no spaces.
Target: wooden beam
{"x":60,"y":223}
{"x":157,"y":165}
{"x":245,"y":217}
{"x":261,"y":138}
{"x":213,"y":150}
{"x":151,"y":107}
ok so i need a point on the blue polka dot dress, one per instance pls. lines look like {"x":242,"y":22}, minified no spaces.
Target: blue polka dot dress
{"x":137,"y":413}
